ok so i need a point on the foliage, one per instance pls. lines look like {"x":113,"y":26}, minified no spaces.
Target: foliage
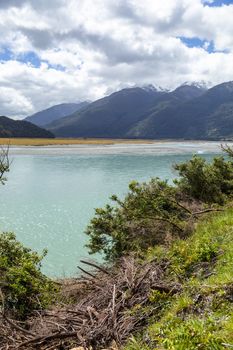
{"x":208,"y":182}
{"x":148,"y":215}
{"x":23,"y":286}
{"x":201,"y":316}
{"x":191,"y":334}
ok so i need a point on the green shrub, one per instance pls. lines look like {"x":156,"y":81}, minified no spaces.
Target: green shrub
{"x":150,"y":214}
{"x":207,"y":182}
{"x":23,"y":286}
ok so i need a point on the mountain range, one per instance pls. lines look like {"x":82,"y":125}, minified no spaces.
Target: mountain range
{"x":208,"y":116}
{"x":191,"y":111}
{"x":21,"y":128}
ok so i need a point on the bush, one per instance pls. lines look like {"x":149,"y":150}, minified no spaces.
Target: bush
{"x":149,"y":215}
{"x":23,"y":286}
{"x":207,"y":182}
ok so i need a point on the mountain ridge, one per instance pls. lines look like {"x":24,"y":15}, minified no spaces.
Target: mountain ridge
{"x":194,"y":118}
{"x":115,"y":115}
{"x":20,"y":128}
{"x":191,"y":111}
{"x":55,"y":112}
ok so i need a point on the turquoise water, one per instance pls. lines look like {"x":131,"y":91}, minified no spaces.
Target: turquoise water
{"x":51,"y":193}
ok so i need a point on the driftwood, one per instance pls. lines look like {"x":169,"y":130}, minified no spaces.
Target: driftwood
{"x":114,"y":307}
{"x":100,"y":268}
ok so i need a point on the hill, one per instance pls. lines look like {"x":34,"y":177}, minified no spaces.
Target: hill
{"x":116,"y":115}
{"x":110,"y":116}
{"x":209,"y":116}
{"x":55,"y":112}
{"x":21,"y":128}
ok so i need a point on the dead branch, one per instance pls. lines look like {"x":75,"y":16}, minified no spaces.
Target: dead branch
{"x":206,"y":211}
{"x":95,"y":265}
{"x":86,"y":272}
{"x":97,"y":318}
{"x":43,"y":339}
{"x":15,"y":325}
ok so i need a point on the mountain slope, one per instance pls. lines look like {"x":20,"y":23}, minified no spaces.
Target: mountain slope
{"x":55,"y":112}
{"x":172,"y":100}
{"x":115,"y":115}
{"x":208,"y":116}
{"x":21,"y":128}
{"x":109,"y":116}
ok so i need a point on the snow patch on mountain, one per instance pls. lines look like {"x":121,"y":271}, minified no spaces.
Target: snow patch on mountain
{"x":154,"y":88}
{"x":202,"y":84}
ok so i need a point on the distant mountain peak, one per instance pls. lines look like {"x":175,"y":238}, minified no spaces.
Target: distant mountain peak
{"x":202,"y":84}
{"x":154,"y":88}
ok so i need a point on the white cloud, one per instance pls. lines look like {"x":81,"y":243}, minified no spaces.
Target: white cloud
{"x":104,"y":45}
{"x":13,"y":102}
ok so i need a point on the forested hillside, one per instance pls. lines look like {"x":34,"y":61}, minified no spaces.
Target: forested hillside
{"x":21,"y":128}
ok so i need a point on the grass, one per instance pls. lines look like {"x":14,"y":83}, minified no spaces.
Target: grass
{"x":67,"y":141}
{"x":201,"y":316}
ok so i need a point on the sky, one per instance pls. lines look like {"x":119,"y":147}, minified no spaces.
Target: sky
{"x":55,"y":51}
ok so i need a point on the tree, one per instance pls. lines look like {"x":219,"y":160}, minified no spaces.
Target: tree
{"x":4,"y":164}
{"x":207,"y":182}
{"x":24,"y":288}
{"x":150,"y":214}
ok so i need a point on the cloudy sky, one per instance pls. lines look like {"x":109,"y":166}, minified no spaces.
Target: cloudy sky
{"x":54,"y":51}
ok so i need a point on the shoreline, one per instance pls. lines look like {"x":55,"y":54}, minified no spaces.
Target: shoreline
{"x":69,"y":141}
{"x":61,"y":142}
{"x":94,"y":147}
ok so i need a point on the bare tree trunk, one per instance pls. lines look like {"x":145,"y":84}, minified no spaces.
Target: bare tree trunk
{"x":4,"y":163}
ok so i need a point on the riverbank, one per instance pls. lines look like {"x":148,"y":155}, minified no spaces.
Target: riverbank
{"x":179,"y":297}
{"x":113,"y":147}
{"x":68,"y":141}
{"x":98,"y":142}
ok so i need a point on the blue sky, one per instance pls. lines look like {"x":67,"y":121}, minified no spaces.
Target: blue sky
{"x":220,"y":3}
{"x":65,"y":50}
{"x":27,"y":57}
{"x":199,"y":43}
